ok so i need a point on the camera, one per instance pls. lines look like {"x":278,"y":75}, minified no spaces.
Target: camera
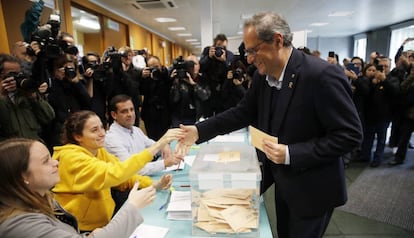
{"x":47,"y":37}
{"x":238,"y":74}
{"x":380,"y":68}
{"x":140,"y":52}
{"x":218,"y":51}
{"x":156,"y":73}
{"x":70,"y":72}
{"x":21,"y":80}
{"x":182,"y":67}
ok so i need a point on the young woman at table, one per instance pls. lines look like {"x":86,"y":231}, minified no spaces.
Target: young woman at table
{"x":88,"y":171}
{"x":27,"y":208}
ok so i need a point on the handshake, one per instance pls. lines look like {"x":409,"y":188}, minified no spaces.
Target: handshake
{"x":186,"y":136}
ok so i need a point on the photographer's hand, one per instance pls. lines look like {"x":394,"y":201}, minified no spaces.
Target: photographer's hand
{"x":43,"y":88}
{"x":211,"y":52}
{"x":8,"y":85}
{"x":238,"y":82}
{"x":146,"y":72}
{"x":89,"y":72}
{"x":35,"y":46}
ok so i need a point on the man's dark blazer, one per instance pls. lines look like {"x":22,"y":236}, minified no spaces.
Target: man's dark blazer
{"x":318,"y":121}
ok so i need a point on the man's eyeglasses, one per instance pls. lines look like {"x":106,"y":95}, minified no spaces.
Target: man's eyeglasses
{"x":253,"y":51}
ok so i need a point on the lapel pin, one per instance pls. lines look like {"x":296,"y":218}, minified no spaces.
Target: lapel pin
{"x":292,"y":76}
{"x":290,"y":85}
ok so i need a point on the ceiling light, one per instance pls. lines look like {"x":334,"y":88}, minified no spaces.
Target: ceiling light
{"x":184,"y":34}
{"x":89,"y":23}
{"x":340,"y":14}
{"x":165,"y":19}
{"x":191,"y":40}
{"x":176,"y":28}
{"x":195,"y":43}
{"x":319,"y":24}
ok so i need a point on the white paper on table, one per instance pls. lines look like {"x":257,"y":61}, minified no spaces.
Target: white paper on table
{"x":211,"y":157}
{"x":189,"y":159}
{"x":180,"y":201}
{"x":181,"y":166}
{"x":229,"y":138}
{"x":149,"y":231}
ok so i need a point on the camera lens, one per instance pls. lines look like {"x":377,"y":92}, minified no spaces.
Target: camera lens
{"x":218,"y":51}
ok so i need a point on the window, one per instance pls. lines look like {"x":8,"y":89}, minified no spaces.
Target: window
{"x":360,"y":47}
{"x":398,"y":35}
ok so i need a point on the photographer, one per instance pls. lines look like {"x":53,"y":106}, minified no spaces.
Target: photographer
{"x":22,"y":110}
{"x":67,"y":95}
{"x":213,"y":64}
{"x":156,"y":85}
{"x":126,"y":79}
{"x":233,"y":90}
{"x":383,"y":89}
{"x":186,"y":94}
{"x":97,"y":77}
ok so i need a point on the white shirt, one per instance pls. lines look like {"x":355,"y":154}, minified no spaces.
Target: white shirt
{"x":124,"y":142}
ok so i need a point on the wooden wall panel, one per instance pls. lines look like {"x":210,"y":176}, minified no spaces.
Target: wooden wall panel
{"x":117,"y":38}
{"x":92,"y":43}
{"x":4,"y":44}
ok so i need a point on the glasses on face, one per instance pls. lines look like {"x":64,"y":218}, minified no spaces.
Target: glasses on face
{"x":253,"y":51}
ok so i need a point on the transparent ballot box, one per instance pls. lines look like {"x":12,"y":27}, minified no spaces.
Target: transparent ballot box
{"x":225,"y":191}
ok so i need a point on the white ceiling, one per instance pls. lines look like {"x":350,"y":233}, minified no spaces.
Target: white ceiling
{"x":226,"y":15}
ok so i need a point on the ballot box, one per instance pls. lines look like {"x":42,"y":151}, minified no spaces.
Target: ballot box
{"x":225,"y":191}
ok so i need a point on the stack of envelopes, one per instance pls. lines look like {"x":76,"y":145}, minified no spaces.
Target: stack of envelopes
{"x":226,"y":211}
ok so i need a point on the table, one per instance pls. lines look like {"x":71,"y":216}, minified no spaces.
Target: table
{"x":182,"y":229}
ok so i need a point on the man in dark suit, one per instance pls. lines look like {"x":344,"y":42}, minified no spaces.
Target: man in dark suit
{"x":307,"y":104}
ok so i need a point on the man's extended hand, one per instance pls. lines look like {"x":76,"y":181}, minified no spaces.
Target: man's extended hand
{"x":185,"y":143}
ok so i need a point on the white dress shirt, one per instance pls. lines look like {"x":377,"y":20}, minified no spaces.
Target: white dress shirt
{"x":124,"y":142}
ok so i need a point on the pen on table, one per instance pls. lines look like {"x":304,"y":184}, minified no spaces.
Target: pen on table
{"x":185,"y":186}
{"x":168,"y":198}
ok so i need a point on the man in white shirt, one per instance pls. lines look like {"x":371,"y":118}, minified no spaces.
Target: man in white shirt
{"x":124,"y":139}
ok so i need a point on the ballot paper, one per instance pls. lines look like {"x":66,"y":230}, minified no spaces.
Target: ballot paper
{"x":180,"y":166}
{"x":179,"y":207}
{"x":227,"y":211}
{"x":145,"y":230}
{"x":189,"y":159}
{"x":257,"y":136}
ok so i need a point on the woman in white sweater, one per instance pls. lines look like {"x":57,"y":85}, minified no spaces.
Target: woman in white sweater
{"x":27,"y":208}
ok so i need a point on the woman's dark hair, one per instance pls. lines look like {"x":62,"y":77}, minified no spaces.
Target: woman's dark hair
{"x":74,"y":126}
{"x":366,"y":67}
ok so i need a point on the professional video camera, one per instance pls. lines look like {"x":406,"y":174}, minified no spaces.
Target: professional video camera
{"x":99,"y":70}
{"x":182,"y":67}
{"x":114,"y":57}
{"x":50,"y":44}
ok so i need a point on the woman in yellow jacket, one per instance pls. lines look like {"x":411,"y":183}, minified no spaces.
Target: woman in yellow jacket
{"x":88,"y":171}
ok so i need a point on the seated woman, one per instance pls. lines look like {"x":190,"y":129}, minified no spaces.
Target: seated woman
{"x":88,"y":171}
{"x":27,"y":208}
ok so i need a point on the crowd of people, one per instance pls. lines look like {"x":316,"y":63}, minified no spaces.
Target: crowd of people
{"x":85,"y":113}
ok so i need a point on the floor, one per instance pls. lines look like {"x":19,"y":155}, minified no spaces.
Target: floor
{"x":347,"y":225}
